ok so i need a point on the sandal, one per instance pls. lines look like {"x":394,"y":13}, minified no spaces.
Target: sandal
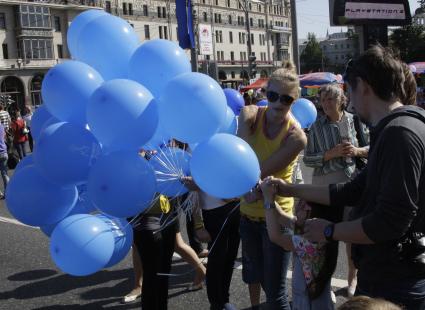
{"x":133,"y":295}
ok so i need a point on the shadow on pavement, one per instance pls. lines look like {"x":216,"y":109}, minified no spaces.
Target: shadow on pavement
{"x":63,"y":283}
{"x":32,"y":275}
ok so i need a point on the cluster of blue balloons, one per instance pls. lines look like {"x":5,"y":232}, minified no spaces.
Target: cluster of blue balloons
{"x":115,"y":98}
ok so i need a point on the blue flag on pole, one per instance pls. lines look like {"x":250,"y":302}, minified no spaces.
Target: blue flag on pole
{"x":185,"y":24}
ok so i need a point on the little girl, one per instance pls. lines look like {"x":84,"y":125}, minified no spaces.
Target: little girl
{"x":314,"y":263}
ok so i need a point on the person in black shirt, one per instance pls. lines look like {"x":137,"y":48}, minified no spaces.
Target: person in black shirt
{"x":388,"y":222}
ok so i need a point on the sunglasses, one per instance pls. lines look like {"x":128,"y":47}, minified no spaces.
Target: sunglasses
{"x":353,"y":71}
{"x":283,"y":99}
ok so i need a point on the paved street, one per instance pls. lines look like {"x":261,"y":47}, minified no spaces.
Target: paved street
{"x":30,"y":280}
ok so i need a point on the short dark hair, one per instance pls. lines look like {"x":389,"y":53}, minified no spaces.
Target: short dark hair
{"x":380,"y":68}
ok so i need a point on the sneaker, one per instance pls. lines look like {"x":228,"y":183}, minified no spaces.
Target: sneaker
{"x":333,"y":297}
{"x":133,"y":295}
{"x":229,"y":306}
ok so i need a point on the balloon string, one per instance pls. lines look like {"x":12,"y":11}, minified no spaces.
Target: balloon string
{"x":210,"y":250}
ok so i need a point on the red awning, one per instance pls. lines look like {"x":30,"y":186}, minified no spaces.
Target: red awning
{"x":257,"y":84}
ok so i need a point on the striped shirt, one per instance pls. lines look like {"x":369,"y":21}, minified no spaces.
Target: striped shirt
{"x":5,"y":119}
{"x":323,"y":136}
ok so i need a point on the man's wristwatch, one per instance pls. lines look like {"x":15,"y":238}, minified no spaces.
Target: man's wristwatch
{"x":270,"y":205}
{"x":329,"y":232}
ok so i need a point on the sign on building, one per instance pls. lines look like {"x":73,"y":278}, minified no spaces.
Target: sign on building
{"x":369,"y":12}
{"x":205,"y":40}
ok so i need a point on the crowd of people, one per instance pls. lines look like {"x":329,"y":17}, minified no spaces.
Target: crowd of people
{"x":15,"y":138}
{"x":367,"y":191}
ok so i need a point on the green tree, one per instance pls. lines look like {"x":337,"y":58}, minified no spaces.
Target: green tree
{"x":410,"y":42}
{"x":311,"y":57}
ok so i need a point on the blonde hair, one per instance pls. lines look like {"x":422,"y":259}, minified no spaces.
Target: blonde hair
{"x":367,"y":303}
{"x":336,"y":91}
{"x":286,"y":75}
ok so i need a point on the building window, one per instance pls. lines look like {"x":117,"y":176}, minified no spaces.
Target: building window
{"x":57,"y":22}
{"x":205,"y":16}
{"x":160,"y":32}
{"x":5,"y":51}
{"x":145,"y":10}
{"x":232,"y":74}
{"x":230,"y":19}
{"x":33,"y":48}
{"x":2,"y":21}
{"x":165,"y":32}
{"x":251,"y":22}
{"x":147,"y":32}
{"x":252,"y":39}
{"x":108,"y":6}
{"x":35,"y":89}
{"x":164,"y":12}
{"x":219,"y":36}
{"x":130,"y":9}
{"x":232,"y":56}
{"x":250,"y":6}
{"x":228,"y":3}
{"x":124,"y":8}
{"x":230,"y":37}
{"x":60,"y":51}
{"x":34,"y":16}
{"x":159,"y":11}
{"x":216,"y":2}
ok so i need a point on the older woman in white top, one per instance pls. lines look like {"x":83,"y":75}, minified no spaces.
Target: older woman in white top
{"x":332,"y":148}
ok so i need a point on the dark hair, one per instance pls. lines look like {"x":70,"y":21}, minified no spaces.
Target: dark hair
{"x":409,"y":86}
{"x":379,"y":67}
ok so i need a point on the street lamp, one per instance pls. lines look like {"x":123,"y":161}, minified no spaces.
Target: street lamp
{"x":19,"y":62}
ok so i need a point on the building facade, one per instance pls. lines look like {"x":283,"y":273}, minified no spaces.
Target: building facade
{"x":339,"y":47}
{"x":33,"y":36}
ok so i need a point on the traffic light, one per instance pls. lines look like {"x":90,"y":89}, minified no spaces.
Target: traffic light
{"x":252,"y":66}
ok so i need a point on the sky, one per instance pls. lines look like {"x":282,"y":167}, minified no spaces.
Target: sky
{"x":313,"y":16}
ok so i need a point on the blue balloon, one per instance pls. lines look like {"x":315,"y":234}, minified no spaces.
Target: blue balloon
{"x":128,"y":104}
{"x":230,"y":125}
{"x":39,"y":118}
{"x":123,"y":235}
{"x":225,"y":166}
{"x":77,"y":26}
{"x":81,"y":244}
{"x":170,"y":164}
{"x":234,"y":100}
{"x":122,"y":184}
{"x":107,"y":44}
{"x":262,"y":103}
{"x":36,"y":201}
{"x":159,"y":139}
{"x":156,"y":62}
{"x":25,"y":162}
{"x":304,"y":112}
{"x":66,"y":90}
{"x":82,"y":206}
{"x":192,"y":108}
{"x":65,"y":153}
